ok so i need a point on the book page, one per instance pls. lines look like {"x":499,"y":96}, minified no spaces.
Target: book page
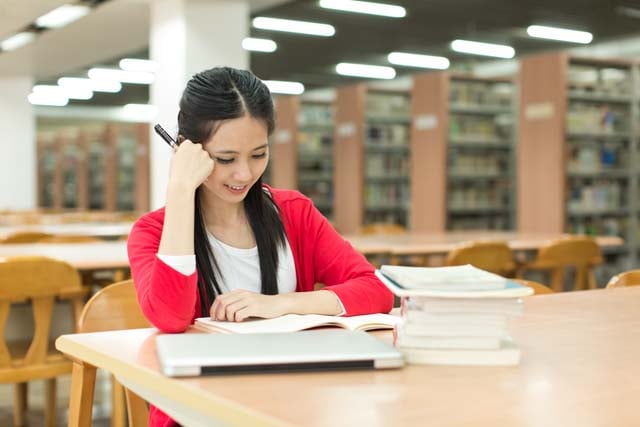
{"x":298,"y":322}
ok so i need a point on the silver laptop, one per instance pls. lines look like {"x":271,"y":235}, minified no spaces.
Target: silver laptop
{"x":329,"y":349}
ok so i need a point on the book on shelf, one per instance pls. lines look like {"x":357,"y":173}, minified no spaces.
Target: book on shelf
{"x":299,"y":322}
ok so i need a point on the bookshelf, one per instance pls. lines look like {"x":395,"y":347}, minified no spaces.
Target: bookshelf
{"x":315,"y":153}
{"x":102,"y":166}
{"x":387,"y":153}
{"x":480,"y":153}
{"x":578,"y":145}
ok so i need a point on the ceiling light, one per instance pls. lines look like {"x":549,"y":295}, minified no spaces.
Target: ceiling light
{"x":109,"y":86}
{"x":485,"y":49}
{"x":17,"y":41}
{"x":134,"y":77}
{"x":62,"y":16}
{"x":259,"y":45}
{"x":48,"y":95}
{"x":421,"y":61}
{"x":288,"y":88}
{"x":290,"y":26}
{"x":362,"y":70}
{"x":560,"y":34}
{"x":380,"y":9}
{"x":141,"y":112}
{"x":131,"y":64}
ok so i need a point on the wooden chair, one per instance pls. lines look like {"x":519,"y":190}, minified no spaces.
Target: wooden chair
{"x":538,"y":288}
{"x":626,"y":278}
{"x":116,"y":307}
{"x":25,"y":237}
{"x":580,"y":252}
{"x":41,"y":281}
{"x":68,"y":239}
{"x":382,"y":228}
{"x":495,"y":257}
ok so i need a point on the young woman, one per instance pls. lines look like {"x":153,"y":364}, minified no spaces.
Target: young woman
{"x":228,"y":246}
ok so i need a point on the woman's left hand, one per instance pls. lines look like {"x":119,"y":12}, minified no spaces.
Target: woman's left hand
{"x":238,"y":305}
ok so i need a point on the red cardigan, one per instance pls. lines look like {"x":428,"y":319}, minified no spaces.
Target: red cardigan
{"x":170,"y":299}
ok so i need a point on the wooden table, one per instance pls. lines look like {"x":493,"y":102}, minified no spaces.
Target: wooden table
{"x":102,"y":230}
{"x":442,"y":243}
{"x":580,"y":353}
{"x":82,"y":256}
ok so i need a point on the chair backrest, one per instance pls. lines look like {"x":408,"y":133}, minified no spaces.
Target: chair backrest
{"x":575,"y":251}
{"x":538,"y":288}
{"x":112,"y":308}
{"x":382,"y":228}
{"x":40,"y":280}
{"x":626,"y":278}
{"x":69,"y":239}
{"x":492,"y":256}
{"x":25,"y":237}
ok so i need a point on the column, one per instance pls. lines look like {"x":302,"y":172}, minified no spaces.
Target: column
{"x":186,"y":37}
{"x":18,"y":144}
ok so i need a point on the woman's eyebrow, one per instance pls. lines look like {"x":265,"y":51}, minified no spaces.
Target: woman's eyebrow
{"x":236,"y":152}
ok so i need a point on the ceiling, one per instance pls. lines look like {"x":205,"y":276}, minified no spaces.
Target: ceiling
{"x":429,"y":27}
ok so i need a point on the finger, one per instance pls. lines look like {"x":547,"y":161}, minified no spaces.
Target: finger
{"x":243,"y":314}
{"x":223,"y":303}
{"x":232,"y":309}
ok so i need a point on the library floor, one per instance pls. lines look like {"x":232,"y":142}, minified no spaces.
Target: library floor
{"x":35,"y":413}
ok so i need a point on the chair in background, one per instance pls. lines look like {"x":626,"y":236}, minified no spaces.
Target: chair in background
{"x":538,"y":288}
{"x":41,"y":281}
{"x":579,"y":252}
{"x":382,"y":228}
{"x":495,"y":257}
{"x":626,"y":278}
{"x":116,"y":307}
{"x":25,"y":237}
{"x":68,"y":239}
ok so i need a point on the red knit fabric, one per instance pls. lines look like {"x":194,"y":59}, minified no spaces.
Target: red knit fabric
{"x":170,"y":299}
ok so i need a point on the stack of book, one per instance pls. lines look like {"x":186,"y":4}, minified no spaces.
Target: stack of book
{"x":455,"y":315}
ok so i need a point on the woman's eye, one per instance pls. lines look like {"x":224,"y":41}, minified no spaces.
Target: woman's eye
{"x":224,"y":161}
{"x":259,"y":156}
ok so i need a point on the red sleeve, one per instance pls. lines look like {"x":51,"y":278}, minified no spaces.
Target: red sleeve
{"x":167,"y":297}
{"x":342,"y":269}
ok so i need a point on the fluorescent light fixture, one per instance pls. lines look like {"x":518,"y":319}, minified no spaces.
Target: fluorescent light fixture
{"x":53,"y":90}
{"x":17,"y":41}
{"x":109,"y":86}
{"x":78,"y":93}
{"x":560,"y":34}
{"x":288,"y":88}
{"x":259,"y":45}
{"x":145,"y":65}
{"x":49,"y":99}
{"x":381,"y":9}
{"x":140,"y":111}
{"x":290,"y":26}
{"x":484,"y":49}
{"x":62,"y":16}
{"x":134,"y":77}
{"x":420,"y":61}
{"x":363,"y":70}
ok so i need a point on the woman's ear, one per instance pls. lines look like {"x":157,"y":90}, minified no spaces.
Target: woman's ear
{"x":180,"y":139}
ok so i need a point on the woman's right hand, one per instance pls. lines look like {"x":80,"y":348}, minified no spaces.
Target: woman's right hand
{"x":190,"y":166}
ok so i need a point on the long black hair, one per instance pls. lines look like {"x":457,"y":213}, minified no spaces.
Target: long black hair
{"x":224,"y":93}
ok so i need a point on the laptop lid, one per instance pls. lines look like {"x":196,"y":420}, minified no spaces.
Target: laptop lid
{"x":201,"y":354}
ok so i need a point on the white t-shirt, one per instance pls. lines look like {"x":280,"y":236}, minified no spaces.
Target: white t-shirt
{"x":239,"y":268}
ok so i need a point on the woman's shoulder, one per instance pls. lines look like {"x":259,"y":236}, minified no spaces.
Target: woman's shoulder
{"x":287,"y":199}
{"x":150,"y":220}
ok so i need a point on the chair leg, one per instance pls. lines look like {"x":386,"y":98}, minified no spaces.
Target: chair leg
{"x":580,"y":283}
{"x":592,"y":280}
{"x":137,"y":410}
{"x":557,"y":276}
{"x":118,"y":415}
{"x":83,"y":380}
{"x":19,"y":403}
{"x":50,"y":403}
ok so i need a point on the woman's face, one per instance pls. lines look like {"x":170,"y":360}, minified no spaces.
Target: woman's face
{"x":240,"y":153}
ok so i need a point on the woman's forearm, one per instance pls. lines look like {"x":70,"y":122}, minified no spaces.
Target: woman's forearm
{"x":316,"y":302}
{"x":177,"y":232}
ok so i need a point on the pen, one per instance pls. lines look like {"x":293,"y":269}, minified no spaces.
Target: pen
{"x":164,"y":135}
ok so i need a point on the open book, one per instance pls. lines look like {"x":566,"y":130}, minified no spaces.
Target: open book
{"x":299,"y":322}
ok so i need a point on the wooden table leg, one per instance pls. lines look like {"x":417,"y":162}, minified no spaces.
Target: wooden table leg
{"x":83,"y":381}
